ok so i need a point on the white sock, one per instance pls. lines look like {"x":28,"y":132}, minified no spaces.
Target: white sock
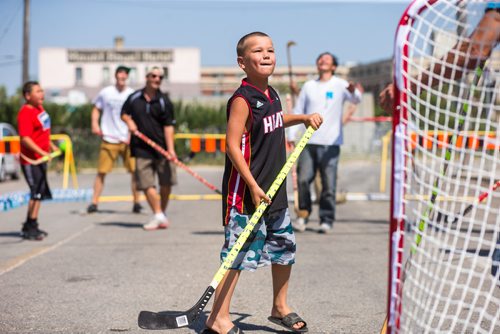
{"x":161,"y":217}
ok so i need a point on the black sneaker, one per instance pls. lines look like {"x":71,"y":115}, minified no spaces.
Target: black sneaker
{"x":92,"y":208}
{"x":32,"y":234}
{"x":137,"y":208}
{"x":42,"y":232}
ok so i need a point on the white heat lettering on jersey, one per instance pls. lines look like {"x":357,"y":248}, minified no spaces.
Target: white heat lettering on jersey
{"x":273,"y":122}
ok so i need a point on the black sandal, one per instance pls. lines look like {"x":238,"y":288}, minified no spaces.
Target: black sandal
{"x":289,"y":321}
{"x":234,"y":330}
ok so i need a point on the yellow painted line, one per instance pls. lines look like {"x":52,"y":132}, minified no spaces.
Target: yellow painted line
{"x":128,"y":198}
{"x":22,"y":259}
{"x":441,"y":198}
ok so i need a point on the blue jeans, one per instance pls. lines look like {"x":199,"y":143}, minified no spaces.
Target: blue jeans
{"x":324,"y":158}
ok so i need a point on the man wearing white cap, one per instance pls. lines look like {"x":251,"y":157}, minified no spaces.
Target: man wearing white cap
{"x":151,"y":112}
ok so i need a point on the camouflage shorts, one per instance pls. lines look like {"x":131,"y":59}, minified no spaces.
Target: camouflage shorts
{"x":272,"y":241}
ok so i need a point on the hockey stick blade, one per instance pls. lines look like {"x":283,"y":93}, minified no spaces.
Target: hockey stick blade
{"x":172,"y":320}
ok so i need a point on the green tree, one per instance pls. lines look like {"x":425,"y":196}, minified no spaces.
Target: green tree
{"x":9,"y":107}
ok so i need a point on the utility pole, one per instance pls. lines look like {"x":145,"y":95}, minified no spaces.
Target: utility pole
{"x":290,"y":73}
{"x":26,"y":41}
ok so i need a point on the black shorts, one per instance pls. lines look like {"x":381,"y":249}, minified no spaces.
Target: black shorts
{"x":36,"y":177}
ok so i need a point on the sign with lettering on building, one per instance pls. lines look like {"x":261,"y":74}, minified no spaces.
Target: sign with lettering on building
{"x":120,"y":56}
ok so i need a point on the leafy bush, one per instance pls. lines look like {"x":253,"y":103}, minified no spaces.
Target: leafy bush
{"x":75,"y":121}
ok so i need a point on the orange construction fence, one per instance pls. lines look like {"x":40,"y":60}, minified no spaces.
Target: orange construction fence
{"x":471,"y":140}
{"x":204,"y":142}
{"x":8,"y":146}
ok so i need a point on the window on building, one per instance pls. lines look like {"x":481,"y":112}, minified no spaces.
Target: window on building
{"x":106,"y":78}
{"x":165,"y":73}
{"x":78,"y":76}
{"x":132,"y":76}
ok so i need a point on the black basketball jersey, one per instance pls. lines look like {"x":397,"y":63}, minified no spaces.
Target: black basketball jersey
{"x":263,"y":148}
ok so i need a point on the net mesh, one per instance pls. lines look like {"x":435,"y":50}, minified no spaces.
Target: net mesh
{"x":449,"y":147}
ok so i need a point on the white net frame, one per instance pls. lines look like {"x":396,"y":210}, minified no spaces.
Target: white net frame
{"x":445,"y":209}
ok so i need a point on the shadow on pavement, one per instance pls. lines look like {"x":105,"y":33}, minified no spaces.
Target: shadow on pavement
{"x":221,"y":232}
{"x":121,"y":224}
{"x":16,"y":234}
{"x":83,"y":212}
{"x":259,"y":329}
{"x":199,"y":325}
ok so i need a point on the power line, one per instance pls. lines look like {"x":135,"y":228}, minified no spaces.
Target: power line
{"x":9,"y":24}
{"x":10,"y":63}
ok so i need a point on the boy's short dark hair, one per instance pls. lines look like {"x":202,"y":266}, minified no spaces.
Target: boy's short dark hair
{"x":334,"y":59}
{"x":28,"y":86}
{"x":240,"y":47}
{"x":122,"y":68}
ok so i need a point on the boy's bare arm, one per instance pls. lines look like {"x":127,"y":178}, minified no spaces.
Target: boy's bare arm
{"x":32,"y":146}
{"x":238,"y":116}
{"x":313,"y":120}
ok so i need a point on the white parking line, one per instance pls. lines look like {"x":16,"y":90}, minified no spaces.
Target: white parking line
{"x":22,"y":259}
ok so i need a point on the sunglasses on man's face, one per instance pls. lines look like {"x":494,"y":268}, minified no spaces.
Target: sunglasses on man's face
{"x":154,"y":76}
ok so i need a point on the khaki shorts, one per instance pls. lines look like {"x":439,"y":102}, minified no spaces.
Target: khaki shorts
{"x":109,"y":152}
{"x":147,"y":168}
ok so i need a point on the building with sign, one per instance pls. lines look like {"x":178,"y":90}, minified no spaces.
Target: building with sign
{"x":224,"y":80}
{"x":77,"y":75}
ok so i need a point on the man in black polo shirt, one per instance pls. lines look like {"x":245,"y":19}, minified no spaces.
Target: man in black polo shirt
{"x":151,"y":112}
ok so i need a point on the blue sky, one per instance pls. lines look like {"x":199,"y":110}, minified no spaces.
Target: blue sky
{"x":356,"y":31}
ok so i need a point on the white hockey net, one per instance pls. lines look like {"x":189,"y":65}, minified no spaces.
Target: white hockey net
{"x":446,"y":200}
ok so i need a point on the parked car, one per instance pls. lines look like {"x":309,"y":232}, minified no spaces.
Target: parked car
{"x":9,"y":162}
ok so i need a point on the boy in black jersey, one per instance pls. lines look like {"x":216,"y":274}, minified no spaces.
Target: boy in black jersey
{"x":255,"y":154}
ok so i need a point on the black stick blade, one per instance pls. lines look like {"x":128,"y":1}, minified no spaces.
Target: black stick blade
{"x":162,"y":320}
{"x":172,"y":320}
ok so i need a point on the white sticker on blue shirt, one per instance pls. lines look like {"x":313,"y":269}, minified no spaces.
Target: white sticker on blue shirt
{"x":44,"y":119}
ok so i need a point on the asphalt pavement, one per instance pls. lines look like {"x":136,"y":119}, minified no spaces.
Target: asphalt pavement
{"x":94,"y":273}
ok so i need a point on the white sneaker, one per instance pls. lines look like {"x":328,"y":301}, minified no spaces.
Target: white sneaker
{"x":164,"y":224}
{"x":325,"y":228}
{"x":299,"y":225}
{"x":152,"y":225}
